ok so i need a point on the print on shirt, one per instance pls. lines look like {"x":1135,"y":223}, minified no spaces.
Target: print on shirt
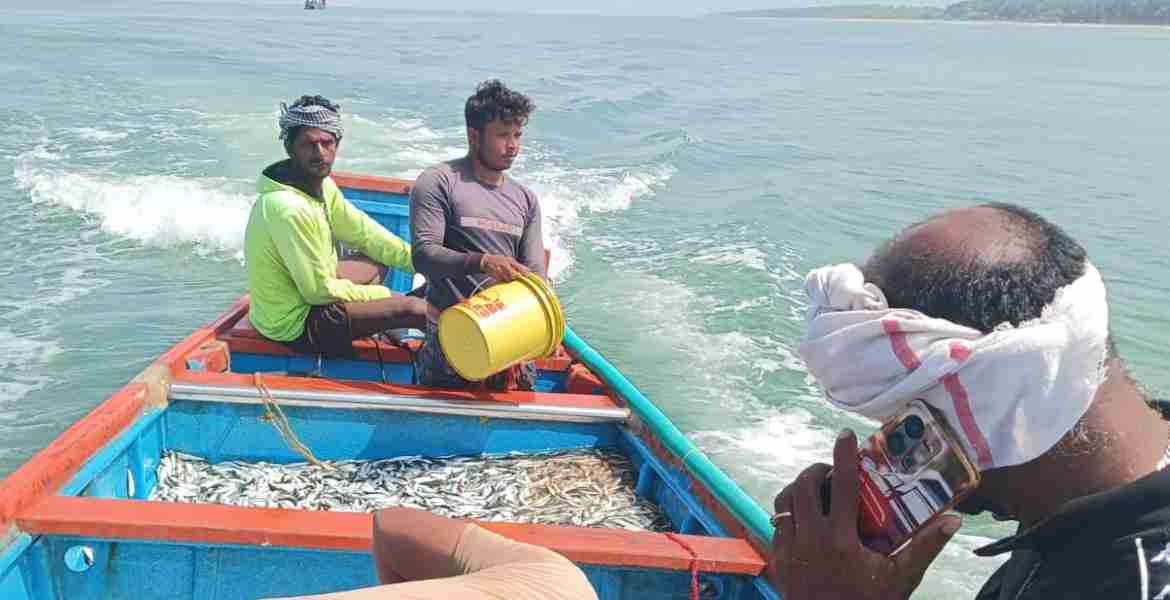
{"x":1159,"y":562}
{"x":491,"y":225}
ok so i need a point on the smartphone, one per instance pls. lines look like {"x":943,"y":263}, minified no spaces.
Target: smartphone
{"x":912,"y":470}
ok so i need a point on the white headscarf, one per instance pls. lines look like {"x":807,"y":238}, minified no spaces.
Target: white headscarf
{"x":1010,"y":394}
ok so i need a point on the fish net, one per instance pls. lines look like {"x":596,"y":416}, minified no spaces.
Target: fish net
{"x":590,"y":488}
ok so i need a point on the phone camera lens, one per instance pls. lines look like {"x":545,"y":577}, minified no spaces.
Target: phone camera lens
{"x":914,"y":427}
{"x":908,"y":463}
{"x":896,"y":443}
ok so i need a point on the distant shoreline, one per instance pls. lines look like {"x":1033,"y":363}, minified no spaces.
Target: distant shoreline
{"x":957,"y":21}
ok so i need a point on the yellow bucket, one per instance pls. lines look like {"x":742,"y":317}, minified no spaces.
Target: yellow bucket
{"x":500,"y":326}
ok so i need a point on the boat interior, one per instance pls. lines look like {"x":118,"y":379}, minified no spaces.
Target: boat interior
{"x":77,"y":522}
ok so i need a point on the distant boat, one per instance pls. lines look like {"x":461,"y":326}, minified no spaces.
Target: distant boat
{"x":314,"y":4}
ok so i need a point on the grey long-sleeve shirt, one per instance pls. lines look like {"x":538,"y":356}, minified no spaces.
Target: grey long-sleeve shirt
{"x":455,"y":219}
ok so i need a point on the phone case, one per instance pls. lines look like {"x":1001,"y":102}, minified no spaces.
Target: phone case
{"x":912,"y":470}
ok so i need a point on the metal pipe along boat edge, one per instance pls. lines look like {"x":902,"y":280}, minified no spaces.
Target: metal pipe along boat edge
{"x":527,"y":411}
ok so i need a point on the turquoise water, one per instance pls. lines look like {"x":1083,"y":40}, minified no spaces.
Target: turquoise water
{"x":691,"y":171}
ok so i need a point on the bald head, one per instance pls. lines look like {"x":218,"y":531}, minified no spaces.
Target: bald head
{"x":979,"y":266}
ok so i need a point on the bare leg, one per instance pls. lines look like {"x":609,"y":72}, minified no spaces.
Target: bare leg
{"x":361,"y":270}
{"x":368,"y":318}
{"x":395,"y":312}
{"x":412,"y":544}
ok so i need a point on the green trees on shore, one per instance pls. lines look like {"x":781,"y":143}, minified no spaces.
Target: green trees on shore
{"x":1064,"y":11}
{"x":1152,"y":12}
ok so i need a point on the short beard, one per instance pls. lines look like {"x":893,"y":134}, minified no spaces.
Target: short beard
{"x":484,"y":161}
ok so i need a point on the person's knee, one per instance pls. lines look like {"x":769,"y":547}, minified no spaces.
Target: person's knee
{"x":388,"y":525}
{"x":422,"y":310}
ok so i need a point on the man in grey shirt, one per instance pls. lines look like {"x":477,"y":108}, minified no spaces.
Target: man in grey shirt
{"x":471,"y":225}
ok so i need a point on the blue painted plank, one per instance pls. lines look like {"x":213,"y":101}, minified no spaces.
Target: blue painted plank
{"x":222,"y":432}
{"x":143,"y":570}
{"x":9,"y":557}
{"x":12,"y":586}
{"x":671,"y":490}
{"x":24,"y":570}
{"x":392,"y":212}
{"x":112,"y":452}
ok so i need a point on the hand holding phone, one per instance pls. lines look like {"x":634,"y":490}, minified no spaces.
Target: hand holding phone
{"x":910,"y":471}
{"x":817,"y":555}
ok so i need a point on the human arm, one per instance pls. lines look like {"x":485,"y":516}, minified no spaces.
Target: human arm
{"x":428,"y":228}
{"x":809,"y":546}
{"x":354,"y":227}
{"x":302,"y":247}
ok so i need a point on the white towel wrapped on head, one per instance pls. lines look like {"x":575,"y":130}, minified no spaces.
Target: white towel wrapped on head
{"x":1010,"y":395}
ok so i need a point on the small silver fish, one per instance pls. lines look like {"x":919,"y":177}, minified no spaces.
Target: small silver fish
{"x":593,"y":488}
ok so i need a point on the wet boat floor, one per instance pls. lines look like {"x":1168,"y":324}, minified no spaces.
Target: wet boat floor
{"x":591,"y":488}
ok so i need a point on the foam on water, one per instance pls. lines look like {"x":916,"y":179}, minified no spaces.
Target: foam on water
{"x":403,"y":145}
{"x":21,"y":359}
{"x":94,"y":134}
{"x":210,"y":214}
{"x":157,"y":210}
{"x":742,"y":255}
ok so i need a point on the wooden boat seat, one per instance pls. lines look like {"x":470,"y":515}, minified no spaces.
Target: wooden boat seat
{"x":243,"y":337}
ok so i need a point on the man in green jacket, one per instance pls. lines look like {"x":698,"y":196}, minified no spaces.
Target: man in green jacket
{"x":302,"y":294}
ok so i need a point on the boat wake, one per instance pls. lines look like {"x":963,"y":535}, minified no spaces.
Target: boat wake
{"x":156,"y":210}
{"x":209,"y":214}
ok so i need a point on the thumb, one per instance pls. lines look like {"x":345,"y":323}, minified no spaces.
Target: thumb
{"x":914,"y":559}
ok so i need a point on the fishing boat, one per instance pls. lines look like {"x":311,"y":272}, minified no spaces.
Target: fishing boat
{"x":315,"y":5}
{"x":83,"y":518}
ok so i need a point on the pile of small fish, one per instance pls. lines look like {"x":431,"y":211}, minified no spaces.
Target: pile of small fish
{"x":592,"y":488}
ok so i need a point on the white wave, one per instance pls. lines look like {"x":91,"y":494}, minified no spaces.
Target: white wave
{"x":156,"y":210}
{"x":773,"y":448}
{"x":427,"y":154}
{"x":405,"y":146}
{"x":105,"y":153}
{"x":94,"y":134}
{"x":565,"y":194}
{"x":397,"y":129}
{"x":596,"y":190}
{"x":735,"y":255}
{"x":17,"y":353}
{"x":211,"y":213}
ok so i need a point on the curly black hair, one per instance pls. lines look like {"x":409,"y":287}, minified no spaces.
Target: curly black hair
{"x":318,"y":100}
{"x":967,"y":290}
{"x":494,"y":101}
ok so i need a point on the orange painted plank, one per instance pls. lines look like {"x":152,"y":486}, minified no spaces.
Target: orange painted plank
{"x":234,"y":313}
{"x":215,"y":524}
{"x":313,"y":384}
{"x":50,"y":469}
{"x":174,"y":359}
{"x":637,"y":548}
{"x":390,"y":185}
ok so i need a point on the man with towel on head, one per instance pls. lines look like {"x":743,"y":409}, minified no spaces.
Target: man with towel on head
{"x":994,"y":317}
{"x":301,"y":294}
{"x":472,"y":225}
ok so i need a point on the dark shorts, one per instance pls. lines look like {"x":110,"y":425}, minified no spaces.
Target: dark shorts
{"x":331,"y":329}
{"x":327,"y":331}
